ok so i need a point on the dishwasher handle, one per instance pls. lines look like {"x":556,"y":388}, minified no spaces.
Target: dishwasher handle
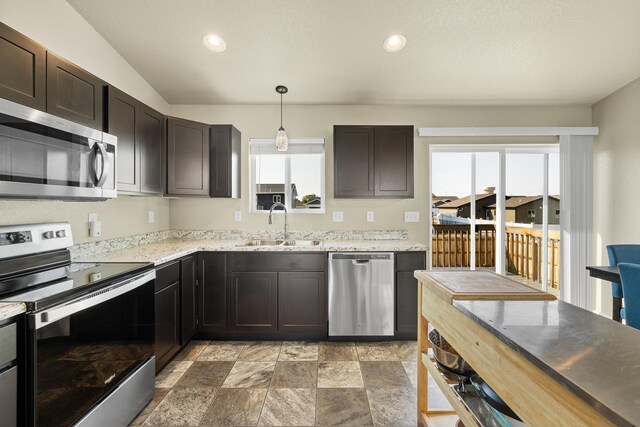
{"x":360,"y":261}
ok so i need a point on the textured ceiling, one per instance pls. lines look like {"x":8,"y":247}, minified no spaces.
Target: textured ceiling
{"x":459,"y":52}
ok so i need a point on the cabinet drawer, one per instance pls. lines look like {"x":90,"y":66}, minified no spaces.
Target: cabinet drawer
{"x":9,"y":397}
{"x":7,"y":343}
{"x":278,"y":261}
{"x":410,"y":261}
{"x":167,"y":275}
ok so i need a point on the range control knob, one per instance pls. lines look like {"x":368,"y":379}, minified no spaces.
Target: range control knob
{"x":61,"y":233}
{"x":48,"y":235}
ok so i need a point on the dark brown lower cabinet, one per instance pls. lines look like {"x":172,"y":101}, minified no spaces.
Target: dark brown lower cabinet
{"x":189,"y":294}
{"x":407,"y":293}
{"x":301,"y":302}
{"x":262,"y":295}
{"x":212,"y":294}
{"x":167,"y":324}
{"x":254,"y":302}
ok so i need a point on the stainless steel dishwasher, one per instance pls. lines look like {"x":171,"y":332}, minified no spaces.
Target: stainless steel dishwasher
{"x":361,"y":296}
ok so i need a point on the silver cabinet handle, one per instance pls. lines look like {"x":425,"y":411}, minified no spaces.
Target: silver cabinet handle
{"x":87,"y":301}
{"x":106,"y":165}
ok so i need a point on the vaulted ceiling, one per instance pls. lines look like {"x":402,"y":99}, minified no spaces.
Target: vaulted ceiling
{"x":458,"y":52}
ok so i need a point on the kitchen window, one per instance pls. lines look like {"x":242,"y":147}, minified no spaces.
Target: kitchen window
{"x":294,"y":177}
{"x":531,"y":213}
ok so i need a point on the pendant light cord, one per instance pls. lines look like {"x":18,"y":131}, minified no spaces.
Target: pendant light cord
{"x":281,"y":111}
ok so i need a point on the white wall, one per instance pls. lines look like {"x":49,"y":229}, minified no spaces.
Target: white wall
{"x":59,"y":28}
{"x":303,"y":121}
{"x":616,"y":177}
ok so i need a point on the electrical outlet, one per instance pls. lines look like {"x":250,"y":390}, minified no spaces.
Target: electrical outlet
{"x":152,"y":217}
{"x":412,"y":217}
{"x":237,"y":216}
{"x":338,"y":216}
{"x":95,"y":229}
{"x":369,"y":216}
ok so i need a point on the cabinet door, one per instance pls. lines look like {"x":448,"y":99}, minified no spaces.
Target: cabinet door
{"x":123,"y":121}
{"x":406,"y":305}
{"x":212,"y":301}
{"x":301,"y":302}
{"x":73,"y":93}
{"x":224,"y":162}
{"x":393,"y":161}
{"x":189,"y":298}
{"x":353,"y":153}
{"x":254,"y":304}
{"x":407,"y":293}
{"x":23,"y":70}
{"x":167,"y":324}
{"x":187,"y":158}
{"x":151,"y":148}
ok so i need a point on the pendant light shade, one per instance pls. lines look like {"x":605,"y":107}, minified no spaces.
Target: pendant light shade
{"x":282,"y":140}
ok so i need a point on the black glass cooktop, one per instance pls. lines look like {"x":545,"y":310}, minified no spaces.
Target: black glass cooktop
{"x":48,"y":287}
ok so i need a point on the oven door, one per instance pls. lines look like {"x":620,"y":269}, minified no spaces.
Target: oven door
{"x":43,"y":156}
{"x":85,"y":349}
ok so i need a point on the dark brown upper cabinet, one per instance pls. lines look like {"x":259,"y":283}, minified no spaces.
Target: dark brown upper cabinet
{"x":152,"y":135}
{"x":373,"y":161}
{"x":224,"y":162}
{"x":123,"y":121}
{"x":140,"y":132}
{"x":23,"y":72}
{"x":73,"y":93}
{"x":187,"y":158}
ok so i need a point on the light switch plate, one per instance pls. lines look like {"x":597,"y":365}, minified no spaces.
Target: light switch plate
{"x":369,"y":216}
{"x":338,"y":216}
{"x":237,"y":216}
{"x":152,"y":217}
{"x":412,"y":217}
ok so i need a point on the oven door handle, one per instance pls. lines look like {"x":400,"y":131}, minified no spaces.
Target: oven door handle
{"x":40,"y":320}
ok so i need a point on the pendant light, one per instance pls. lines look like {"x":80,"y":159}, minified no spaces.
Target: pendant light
{"x":282,"y":141}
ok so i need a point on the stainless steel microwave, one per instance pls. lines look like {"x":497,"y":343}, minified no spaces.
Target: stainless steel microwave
{"x":45,"y":157}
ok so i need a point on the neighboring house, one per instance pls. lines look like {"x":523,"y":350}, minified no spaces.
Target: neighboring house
{"x":268,"y":194}
{"x":313,"y":203}
{"x":437,"y":201}
{"x":528,"y":209}
{"x":462,"y":206}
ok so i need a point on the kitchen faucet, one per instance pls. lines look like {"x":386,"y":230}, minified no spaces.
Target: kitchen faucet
{"x":286,"y":233}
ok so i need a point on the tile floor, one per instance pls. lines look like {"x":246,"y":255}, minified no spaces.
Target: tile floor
{"x":212,"y":383}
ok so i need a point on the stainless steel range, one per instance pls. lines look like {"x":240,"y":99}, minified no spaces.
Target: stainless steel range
{"x":89,"y":329}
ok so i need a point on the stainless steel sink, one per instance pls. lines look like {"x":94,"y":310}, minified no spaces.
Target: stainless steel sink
{"x":302,"y":243}
{"x":262,"y":243}
{"x":281,"y":243}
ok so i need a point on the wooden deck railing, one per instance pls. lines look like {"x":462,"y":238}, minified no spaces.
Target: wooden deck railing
{"x":452,"y":248}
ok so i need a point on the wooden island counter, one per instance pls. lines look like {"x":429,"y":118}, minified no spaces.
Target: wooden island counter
{"x":553,"y":363}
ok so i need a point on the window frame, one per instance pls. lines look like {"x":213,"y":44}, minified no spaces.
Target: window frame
{"x":287,"y":174}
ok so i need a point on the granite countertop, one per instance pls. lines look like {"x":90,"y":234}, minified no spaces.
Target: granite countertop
{"x":167,"y":250}
{"x":10,"y":309}
{"x":593,"y":356}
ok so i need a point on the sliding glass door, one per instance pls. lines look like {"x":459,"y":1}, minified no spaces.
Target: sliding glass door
{"x":497,"y":207}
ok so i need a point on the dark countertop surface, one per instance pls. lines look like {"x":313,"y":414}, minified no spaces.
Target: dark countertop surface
{"x":595,"y":357}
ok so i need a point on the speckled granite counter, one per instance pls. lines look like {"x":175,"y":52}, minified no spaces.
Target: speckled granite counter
{"x":167,"y":250}
{"x":10,"y":309}
{"x":594,"y":357}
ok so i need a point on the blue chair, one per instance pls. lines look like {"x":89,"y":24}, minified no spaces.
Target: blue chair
{"x":630,"y":277}
{"x":618,"y":254}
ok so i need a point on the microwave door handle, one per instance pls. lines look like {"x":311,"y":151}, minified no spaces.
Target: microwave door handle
{"x":40,"y":320}
{"x":106,"y":166}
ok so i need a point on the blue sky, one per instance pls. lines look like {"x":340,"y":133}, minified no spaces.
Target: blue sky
{"x":451,"y":173}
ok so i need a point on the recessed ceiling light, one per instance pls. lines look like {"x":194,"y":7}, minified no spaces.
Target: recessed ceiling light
{"x":214,"y":42}
{"x":394,"y":43}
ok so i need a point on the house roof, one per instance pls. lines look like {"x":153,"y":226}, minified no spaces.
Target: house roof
{"x":514,"y":202}
{"x":465,"y":201}
{"x":315,"y":201}
{"x":444,"y":199}
{"x":274,"y":189}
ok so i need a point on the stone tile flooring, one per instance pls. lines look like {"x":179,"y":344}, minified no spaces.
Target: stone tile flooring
{"x":213,"y":383}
